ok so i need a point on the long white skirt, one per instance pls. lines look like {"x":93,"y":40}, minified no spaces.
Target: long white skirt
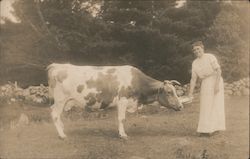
{"x":212,"y":110}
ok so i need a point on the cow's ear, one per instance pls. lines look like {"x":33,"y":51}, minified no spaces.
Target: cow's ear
{"x":166,"y":82}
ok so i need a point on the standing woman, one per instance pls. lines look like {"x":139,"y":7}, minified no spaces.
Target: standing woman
{"x":212,"y":111}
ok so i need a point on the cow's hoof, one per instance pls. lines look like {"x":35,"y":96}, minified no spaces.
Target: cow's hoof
{"x":124,"y":137}
{"x":62,"y":137}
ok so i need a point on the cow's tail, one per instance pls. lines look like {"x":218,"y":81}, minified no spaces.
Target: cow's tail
{"x":51,"y":81}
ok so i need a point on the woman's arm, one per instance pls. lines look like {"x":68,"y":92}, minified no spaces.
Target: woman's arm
{"x":217,"y":70}
{"x":192,"y":84}
{"x":217,"y":82}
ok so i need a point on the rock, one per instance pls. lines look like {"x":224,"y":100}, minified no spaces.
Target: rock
{"x":26,"y":92}
{"x":3,"y":88}
{"x":237,"y":93}
{"x":12,"y":99}
{"x":185,"y":99}
{"x":144,"y":116}
{"x":247,"y":84}
{"x":229,"y":92}
{"x":140,"y":107}
{"x":235,"y":89}
{"x":229,"y":87}
{"x":179,"y":92}
{"x":38,"y":100}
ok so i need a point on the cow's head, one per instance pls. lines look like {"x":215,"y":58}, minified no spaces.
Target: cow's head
{"x":167,"y":95}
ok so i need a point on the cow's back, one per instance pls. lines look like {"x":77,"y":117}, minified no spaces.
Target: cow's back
{"x":88,"y":84}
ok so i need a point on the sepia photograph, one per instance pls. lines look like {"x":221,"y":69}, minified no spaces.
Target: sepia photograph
{"x":124,"y":79}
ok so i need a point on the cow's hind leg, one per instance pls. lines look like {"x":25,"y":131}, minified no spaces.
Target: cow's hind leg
{"x":57,"y":110}
{"x":122,"y":107}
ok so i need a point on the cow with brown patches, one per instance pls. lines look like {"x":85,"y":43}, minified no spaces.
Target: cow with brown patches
{"x":103,"y":86}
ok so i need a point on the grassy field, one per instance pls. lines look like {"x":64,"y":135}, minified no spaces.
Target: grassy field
{"x":154,"y":134}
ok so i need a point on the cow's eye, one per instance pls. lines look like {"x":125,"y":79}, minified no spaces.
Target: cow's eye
{"x":169,"y":92}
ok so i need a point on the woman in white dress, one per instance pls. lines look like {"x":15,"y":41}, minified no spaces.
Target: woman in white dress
{"x":212,"y":111}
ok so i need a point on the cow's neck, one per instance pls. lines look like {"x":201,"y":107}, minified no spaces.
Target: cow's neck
{"x":150,"y":94}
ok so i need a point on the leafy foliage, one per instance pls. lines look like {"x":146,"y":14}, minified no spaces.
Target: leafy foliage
{"x":229,"y":35}
{"x":151,"y":35}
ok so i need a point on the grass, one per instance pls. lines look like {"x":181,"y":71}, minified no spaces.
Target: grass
{"x":161,"y":134}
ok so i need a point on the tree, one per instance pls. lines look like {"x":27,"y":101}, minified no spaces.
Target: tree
{"x":229,"y":37}
{"x":151,"y":35}
{"x":157,"y":35}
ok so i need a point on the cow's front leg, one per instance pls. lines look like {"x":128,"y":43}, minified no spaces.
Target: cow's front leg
{"x":122,"y":107}
{"x":57,"y":110}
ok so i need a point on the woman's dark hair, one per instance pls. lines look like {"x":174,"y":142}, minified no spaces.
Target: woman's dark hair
{"x":198,"y":43}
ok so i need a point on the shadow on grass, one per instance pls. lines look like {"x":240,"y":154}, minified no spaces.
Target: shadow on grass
{"x":150,"y":132}
{"x":132,"y":132}
{"x":94,"y":132}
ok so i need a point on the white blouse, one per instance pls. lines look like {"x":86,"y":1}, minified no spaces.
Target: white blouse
{"x":204,"y":66}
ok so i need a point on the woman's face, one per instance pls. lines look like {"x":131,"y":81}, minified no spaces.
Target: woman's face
{"x":198,"y":51}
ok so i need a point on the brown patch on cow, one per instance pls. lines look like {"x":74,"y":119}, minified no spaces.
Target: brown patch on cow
{"x":80,"y":88}
{"x":61,"y":75}
{"x":126,"y":92}
{"x":112,"y":70}
{"x":90,"y":98}
{"x":145,"y":88}
{"x":107,"y":85}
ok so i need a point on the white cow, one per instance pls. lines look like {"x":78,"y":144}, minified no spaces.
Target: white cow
{"x":101,"y":86}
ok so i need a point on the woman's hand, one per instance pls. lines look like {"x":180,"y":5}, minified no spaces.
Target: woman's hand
{"x":217,"y":88}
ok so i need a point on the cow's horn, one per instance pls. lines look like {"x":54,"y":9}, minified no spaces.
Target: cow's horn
{"x":175,"y":82}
